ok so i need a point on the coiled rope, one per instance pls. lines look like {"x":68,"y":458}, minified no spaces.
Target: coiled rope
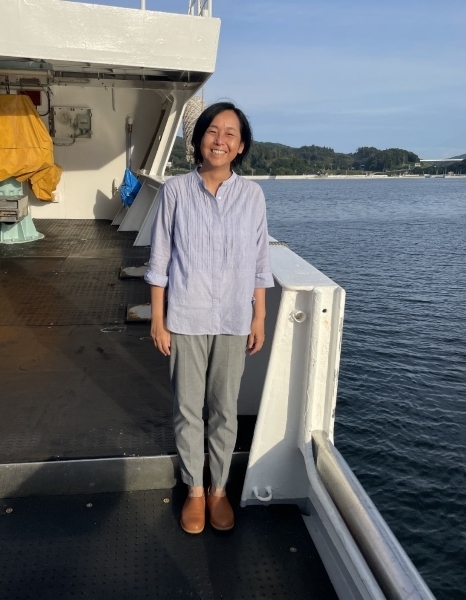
{"x":194,"y":108}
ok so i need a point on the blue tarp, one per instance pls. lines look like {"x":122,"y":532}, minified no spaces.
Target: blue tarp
{"x":129,"y":188}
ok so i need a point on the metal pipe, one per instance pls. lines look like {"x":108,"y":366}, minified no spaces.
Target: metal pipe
{"x":143,"y":4}
{"x":200,"y":8}
{"x":391,"y":566}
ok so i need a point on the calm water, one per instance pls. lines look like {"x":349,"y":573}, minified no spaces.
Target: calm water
{"x":398,"y":247}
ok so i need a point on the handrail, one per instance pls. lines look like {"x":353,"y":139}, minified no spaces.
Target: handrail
{"x":200,"y":8}
{"x":395,"y":573}
{"x":196,"y":8}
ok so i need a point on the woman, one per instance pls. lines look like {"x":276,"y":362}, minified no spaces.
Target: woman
{"x":210,"y":249}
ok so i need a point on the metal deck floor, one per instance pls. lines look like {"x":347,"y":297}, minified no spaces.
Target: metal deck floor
{"x":129,"y":546}
{"x":77,"y":382}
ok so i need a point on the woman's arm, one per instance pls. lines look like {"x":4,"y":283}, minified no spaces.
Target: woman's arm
{"x":257,"y":336}
{"x":158,"y":330}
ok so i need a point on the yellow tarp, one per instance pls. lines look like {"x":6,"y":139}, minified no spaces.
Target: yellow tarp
{"x":26,"y":148}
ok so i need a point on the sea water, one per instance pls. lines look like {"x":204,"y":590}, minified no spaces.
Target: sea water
{"x":398,"y":247}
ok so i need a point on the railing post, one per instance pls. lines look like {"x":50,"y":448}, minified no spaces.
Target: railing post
{"x":299,"y":391}
{"x":200,"y":8}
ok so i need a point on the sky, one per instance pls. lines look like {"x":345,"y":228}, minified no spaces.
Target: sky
{"x":342,"y":74}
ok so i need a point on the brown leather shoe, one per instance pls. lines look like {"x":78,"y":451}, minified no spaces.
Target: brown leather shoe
{"x":221,"y":513}
{"x":193,"y":515}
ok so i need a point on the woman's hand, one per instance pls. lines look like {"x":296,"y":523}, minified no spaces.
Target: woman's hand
{"x":257,"y":336}
{"x":158,"y":329}
{"x":161,"y":337}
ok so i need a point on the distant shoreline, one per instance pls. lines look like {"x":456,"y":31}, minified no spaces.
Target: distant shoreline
{"x":320,"y":177}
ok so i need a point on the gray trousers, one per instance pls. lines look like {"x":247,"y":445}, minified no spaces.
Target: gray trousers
{"x":206,"y":367}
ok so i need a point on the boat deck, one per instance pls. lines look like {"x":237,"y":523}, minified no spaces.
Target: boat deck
{"x":129,"y":546}
{"x":78,"y":382}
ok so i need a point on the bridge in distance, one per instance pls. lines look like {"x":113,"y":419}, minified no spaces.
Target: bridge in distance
{"x":435,"y":161}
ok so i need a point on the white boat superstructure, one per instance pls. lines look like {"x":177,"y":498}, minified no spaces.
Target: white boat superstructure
{"x":113,"y":84}
{"x":121,"y":65}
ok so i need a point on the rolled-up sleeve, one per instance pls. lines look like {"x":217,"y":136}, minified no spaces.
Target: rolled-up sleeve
{"x":161,"y":240}
{"x":264,"y":277}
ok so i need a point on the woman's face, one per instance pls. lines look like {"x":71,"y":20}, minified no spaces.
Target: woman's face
{"x":221,"y":142}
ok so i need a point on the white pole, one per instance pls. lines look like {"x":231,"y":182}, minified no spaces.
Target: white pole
{"x":143,"y":4}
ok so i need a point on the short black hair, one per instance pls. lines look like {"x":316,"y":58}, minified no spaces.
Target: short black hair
{"x":206,"y":118}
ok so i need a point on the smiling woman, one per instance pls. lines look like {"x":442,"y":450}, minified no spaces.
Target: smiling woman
{"x":86,"y":405}
{"x":210,"y":248}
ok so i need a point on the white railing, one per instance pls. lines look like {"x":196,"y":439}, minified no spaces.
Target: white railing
{"x":196,"y":8}
{"x":389,"y":563}
{"x":200,"y":8}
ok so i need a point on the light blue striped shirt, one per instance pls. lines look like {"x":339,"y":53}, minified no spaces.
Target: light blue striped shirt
{"x":211,"y":252}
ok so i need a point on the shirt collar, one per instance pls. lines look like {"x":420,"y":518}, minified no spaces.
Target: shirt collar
{"x":233,"y":177}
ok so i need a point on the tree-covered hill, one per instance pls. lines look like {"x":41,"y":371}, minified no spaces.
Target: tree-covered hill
{"x":268,"y":158}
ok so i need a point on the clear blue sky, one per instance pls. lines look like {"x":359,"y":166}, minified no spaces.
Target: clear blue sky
{"x":343,"y":74}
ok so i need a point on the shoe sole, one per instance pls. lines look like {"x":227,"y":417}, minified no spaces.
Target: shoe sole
{"x":222,"y":528}
{"x":190,"y":530}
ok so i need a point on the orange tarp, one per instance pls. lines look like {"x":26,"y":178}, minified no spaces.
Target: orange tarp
{"x":26,"y":148}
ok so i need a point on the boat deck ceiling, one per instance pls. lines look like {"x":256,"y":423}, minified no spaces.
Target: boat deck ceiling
{"x":129,"y":545}
{"x":26,"y":73}
{"x":77,"y":381}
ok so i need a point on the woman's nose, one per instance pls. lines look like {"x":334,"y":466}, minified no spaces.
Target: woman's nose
{"x":218,"y":138}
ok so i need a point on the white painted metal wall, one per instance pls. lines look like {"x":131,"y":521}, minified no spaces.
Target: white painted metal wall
{"x":56,"y":30}
{"x":90,"y":166}
{"x":299,"y":390}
